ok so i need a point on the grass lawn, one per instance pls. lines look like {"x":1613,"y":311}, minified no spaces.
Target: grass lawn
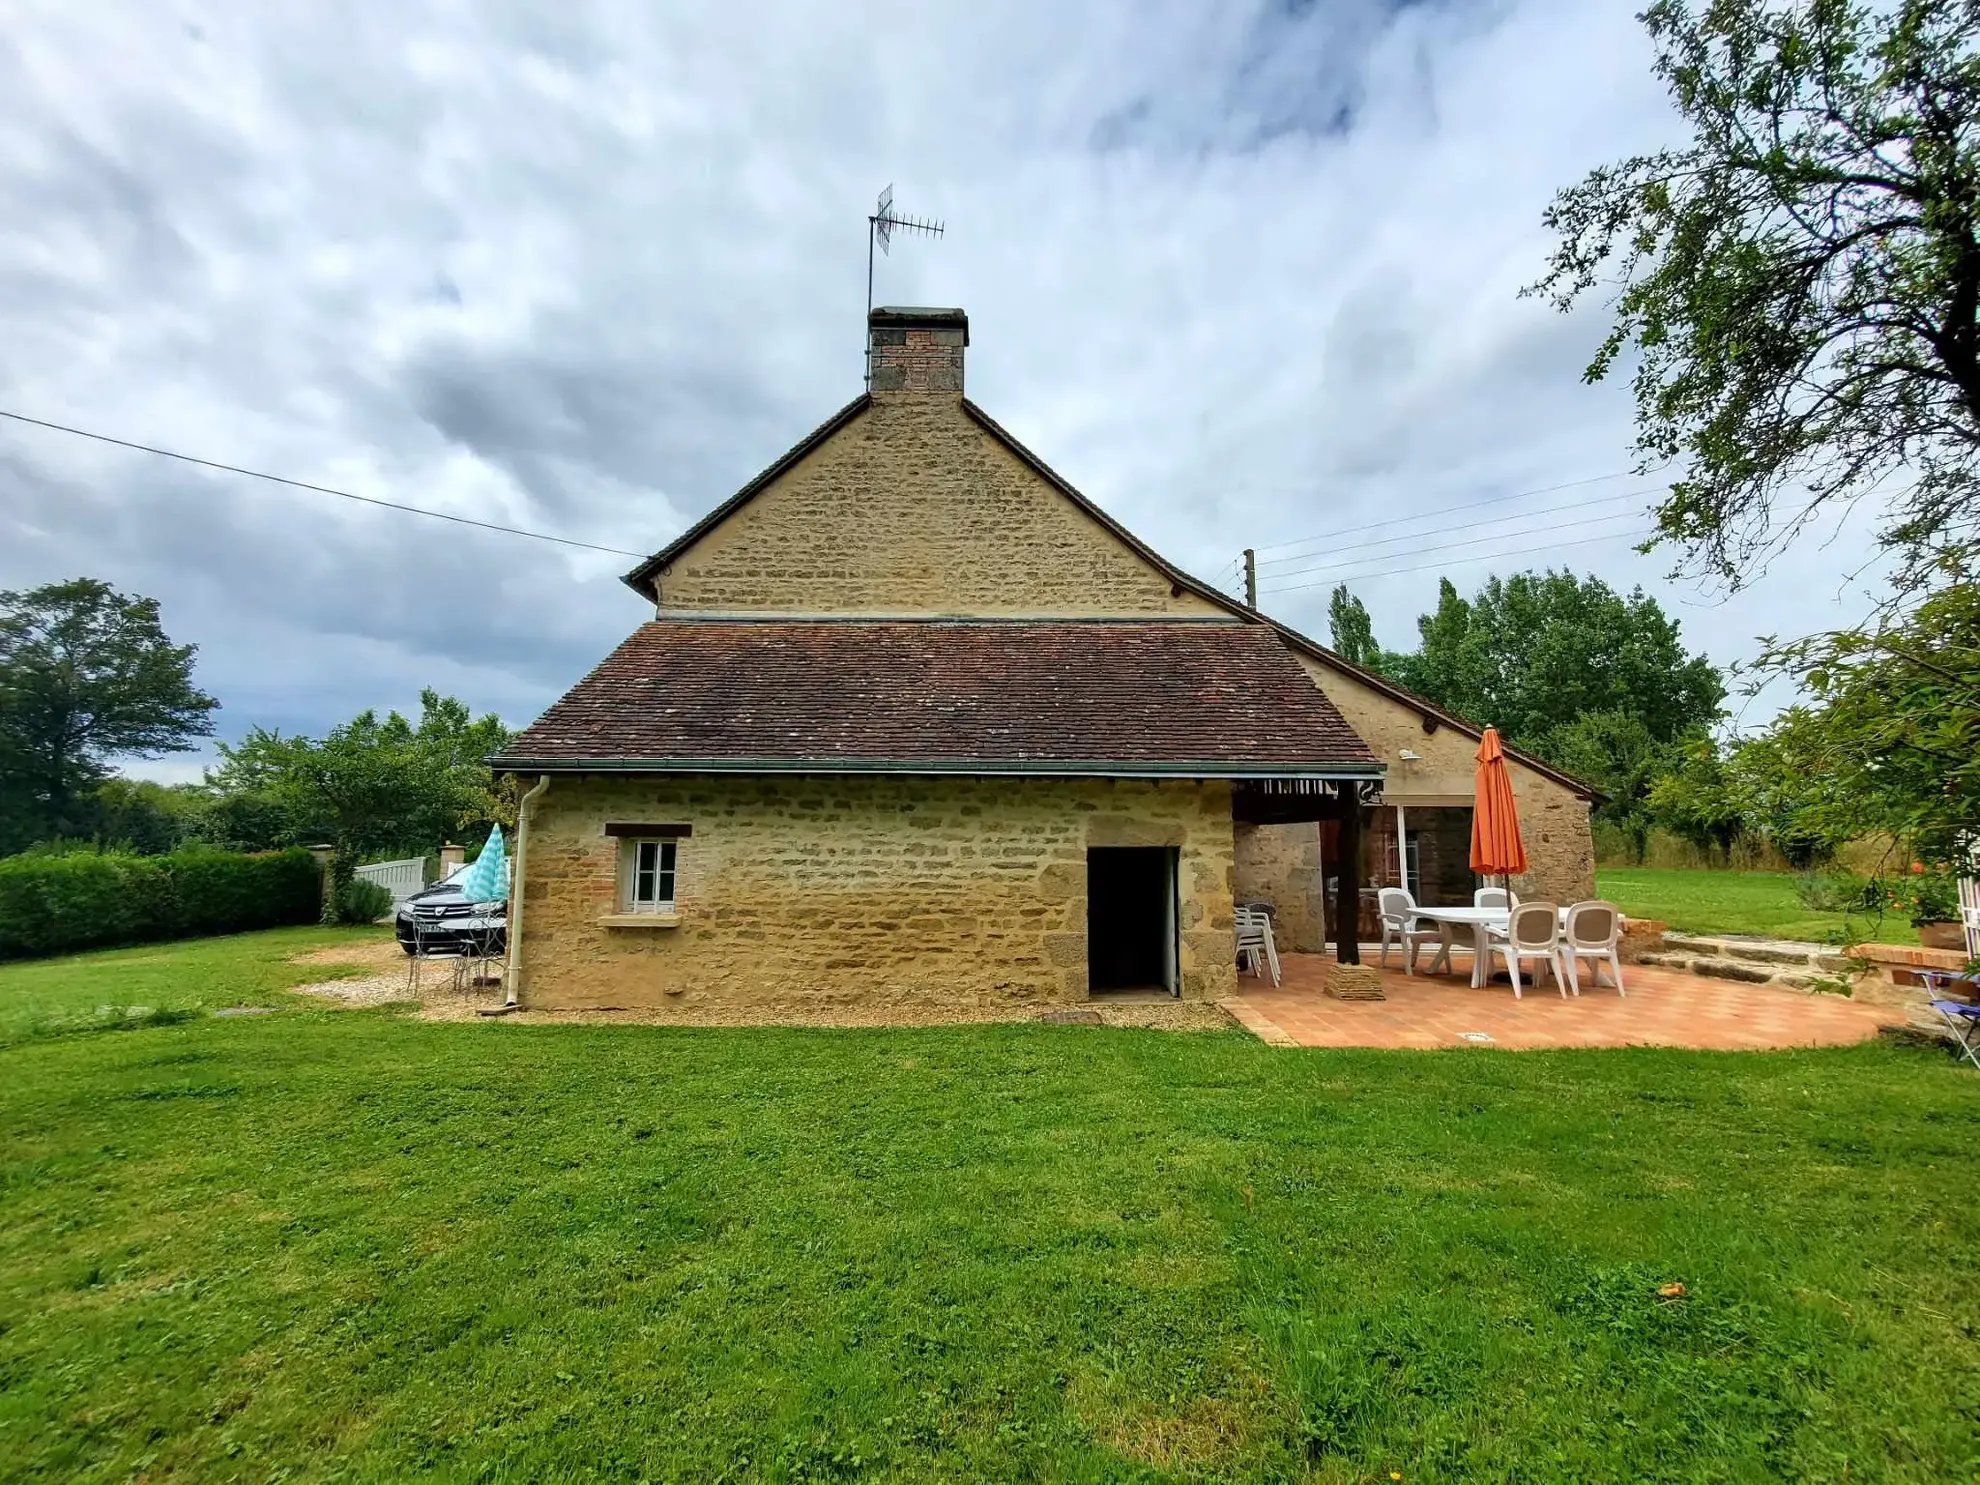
{"x":159,"y":984}
{"x":1762,"y":902}
{"x":328,"y":1245}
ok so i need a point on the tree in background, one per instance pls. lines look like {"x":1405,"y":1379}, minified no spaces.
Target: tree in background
{"x":243,"y":820}
{"x":1699,"y":798}
{"x":1537,"y":653}
{"x":371,"y":785}
{"x":1790,"y":795}
{"x":1618,"y":753}
{"x":1800,"y":281}
{"x":86,"y":674}
{"x":1893,"y":727}
{"x":1352,"y":630}
{"x":147,"y":818}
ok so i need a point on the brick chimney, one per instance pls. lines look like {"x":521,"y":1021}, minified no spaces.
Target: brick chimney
{"x":916,"y":350}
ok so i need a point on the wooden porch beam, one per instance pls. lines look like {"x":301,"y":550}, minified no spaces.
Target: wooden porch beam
{"x":1347,"y":886}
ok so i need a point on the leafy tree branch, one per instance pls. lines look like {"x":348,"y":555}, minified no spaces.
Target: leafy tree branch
{"x":1801,"y":283}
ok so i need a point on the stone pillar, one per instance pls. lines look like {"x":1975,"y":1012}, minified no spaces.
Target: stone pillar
{"x":451,"y":856}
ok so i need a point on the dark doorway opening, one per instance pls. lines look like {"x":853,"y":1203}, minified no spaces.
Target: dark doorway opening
{"x":1131,"y":918}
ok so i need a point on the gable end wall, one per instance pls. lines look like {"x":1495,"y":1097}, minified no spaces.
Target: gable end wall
{"x":914,"y":508}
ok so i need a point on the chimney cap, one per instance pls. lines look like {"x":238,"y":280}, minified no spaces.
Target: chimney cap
{"x":916,"y":316}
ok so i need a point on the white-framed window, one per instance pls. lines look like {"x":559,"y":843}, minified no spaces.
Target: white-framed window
{"x":647,"y":876}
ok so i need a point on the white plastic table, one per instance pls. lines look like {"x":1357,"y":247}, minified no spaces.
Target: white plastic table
{"x":1481,"y":921}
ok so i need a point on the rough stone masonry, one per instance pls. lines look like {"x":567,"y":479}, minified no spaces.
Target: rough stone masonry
{"x":802,"y":892}
{"x":809,"y":892}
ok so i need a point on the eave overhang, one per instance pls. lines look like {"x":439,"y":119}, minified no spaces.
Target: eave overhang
{"x":963,"y":767}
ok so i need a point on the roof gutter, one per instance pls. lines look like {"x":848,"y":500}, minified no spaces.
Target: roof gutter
{"x":945,"y":768}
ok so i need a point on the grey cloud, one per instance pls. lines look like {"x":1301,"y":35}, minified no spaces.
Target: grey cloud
{"x":471,"y":599}
{"x":1242,"y":274}
{"x":1295,"y":70}
{"x":549,"y":414}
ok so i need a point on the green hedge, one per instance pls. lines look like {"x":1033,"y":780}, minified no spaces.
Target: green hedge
{"x":57,"y":904}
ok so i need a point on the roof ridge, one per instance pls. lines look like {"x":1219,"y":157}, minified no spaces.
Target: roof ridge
{"x":1137,"y":621}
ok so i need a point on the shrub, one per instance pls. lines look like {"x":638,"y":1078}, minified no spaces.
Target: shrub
{"x":1923,"y":896}
{"x":360,"y":901}
{"x":1837,"y":892}
{"x":55,"y":904}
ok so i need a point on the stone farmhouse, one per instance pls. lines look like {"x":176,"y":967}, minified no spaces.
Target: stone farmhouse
{"x":916,"y":722}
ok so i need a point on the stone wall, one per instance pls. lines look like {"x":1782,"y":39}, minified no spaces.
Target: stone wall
{"x":1553,"y":819}
{"x":915,"y":508}
{"x":1280,"y":864}
{"x":814,"y":893}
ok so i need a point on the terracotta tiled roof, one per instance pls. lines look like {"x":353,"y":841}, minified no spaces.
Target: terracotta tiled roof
{"x":641,"y":577}
{"x":1205,"y":698}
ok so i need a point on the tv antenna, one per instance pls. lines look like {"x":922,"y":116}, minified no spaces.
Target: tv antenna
{"x":880,"y":228}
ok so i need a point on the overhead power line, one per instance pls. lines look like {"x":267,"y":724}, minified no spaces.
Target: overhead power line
{"x":1525,"y":515}
{"x":1300,"y":541}
{"x":1466,"y":561}
{"x":1476,"y":541}
{"x":413,"y":510}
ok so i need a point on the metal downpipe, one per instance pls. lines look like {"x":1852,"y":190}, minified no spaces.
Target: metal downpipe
{"x":512,"y":970}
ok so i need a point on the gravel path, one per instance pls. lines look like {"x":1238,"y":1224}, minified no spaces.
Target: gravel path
{"x":386,"y":984}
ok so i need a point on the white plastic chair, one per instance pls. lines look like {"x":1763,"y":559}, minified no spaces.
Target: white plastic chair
{"x":1969,"y":914}
{"x":1594,"y":933}
{"x":1254,"y":942}
{"x":1494,"y":897}
{"x":1534,"y":933}
{"x":1400,"y":924}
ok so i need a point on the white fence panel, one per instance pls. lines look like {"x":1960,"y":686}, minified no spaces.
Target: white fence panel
{"x":400,"y":878}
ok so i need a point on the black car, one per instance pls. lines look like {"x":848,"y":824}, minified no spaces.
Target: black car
{"x":441,"y":920}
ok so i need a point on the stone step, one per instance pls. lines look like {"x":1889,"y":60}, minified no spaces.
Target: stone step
{"x":1781,"y":952}
{"x":1706,"y":964}
{"x":1745,"y":971}
{"x":1802,"y":966}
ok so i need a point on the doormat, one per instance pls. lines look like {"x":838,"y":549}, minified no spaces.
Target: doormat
{"x":1071,"y":1018}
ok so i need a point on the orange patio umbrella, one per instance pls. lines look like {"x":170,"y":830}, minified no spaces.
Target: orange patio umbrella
{"x":1496,"y":849}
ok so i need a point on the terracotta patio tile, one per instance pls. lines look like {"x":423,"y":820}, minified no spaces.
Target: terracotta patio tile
{"x":1662,"y":1008}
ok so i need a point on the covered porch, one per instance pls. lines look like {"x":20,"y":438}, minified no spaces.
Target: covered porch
{"x":1300,"y":849}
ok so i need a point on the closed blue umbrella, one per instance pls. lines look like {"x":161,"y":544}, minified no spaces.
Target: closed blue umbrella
{"x":488,"y":879}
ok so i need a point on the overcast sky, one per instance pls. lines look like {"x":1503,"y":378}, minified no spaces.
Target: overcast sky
{"x":1246,"y":275}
